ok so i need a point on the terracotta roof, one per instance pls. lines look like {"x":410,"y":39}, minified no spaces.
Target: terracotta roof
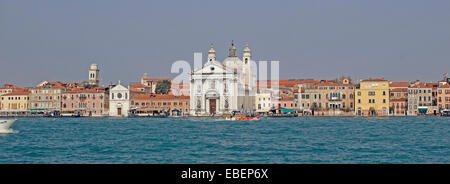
{"x":399,"y":90}
{"x":398,"y":99}
{"x":287,"y":83}
{"x":138,"y":85}
{"x":16,"y":93}
{"x":10,"y":86}
{"x":421,"y":85}
{"x":156,"y":79}
{"x":82,"y":90}
{"x":287,"y":98}
{"x":159,"y":97}
{"x":58,"y":85}
{"x":445,"y":86}
{"x":399,"y":84}
{"x":333,"y":84}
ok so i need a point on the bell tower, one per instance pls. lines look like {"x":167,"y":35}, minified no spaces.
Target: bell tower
{"x":93,"y":75}
{"x":211,"y":54}
{"x":246,"y":59}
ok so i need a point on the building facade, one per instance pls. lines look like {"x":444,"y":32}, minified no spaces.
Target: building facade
{"x":119,"y":101}
{"x":263,"y":102}
{"x":15,"y":103}
{"x":372,"y":98}
{"x":46,"y":98}
{"x":221,"y":88}
{"x":327,"y":98}
{"x":175,"y":105}
{"x":398,"y":106}
{"x":8,"y":88}
{"x":443,"y":98}
{"x":420,"y":99}
{"x":86,"y":102}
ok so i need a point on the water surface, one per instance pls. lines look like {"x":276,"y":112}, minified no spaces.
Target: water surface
{"x":206,"y":140}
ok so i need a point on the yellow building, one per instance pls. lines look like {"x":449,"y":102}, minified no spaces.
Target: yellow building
{"x":16,"y":101}
{"x":372,"y":98}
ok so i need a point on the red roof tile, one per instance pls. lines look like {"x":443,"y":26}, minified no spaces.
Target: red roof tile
{"x":399,"y":84}
{"x":17,"y":93}
{"x":159,"y":97}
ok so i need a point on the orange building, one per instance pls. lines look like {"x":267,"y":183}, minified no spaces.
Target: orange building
{"x":443,"y":98}
{"x":398,"y":106}
{"x":175,"y":105}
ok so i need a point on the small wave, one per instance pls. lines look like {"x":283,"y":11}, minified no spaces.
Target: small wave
{"x":8,"y":131}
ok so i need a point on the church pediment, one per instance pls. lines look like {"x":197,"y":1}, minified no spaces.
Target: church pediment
{"x":212,"y":68}
{"x":119,"y":88}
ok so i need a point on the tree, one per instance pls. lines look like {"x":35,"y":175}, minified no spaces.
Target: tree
{"x":163,"y":87}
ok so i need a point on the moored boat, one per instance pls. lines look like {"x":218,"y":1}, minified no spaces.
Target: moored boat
{"x":5,"y":124}
{"x":240,"y":118}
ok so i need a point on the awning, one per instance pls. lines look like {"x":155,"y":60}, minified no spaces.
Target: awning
{"x":423,"y":110}
{"x":283,"y":110}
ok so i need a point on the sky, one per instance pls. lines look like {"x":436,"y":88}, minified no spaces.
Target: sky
{"x":400,"y":40}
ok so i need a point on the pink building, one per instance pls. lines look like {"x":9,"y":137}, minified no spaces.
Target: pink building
{"x":86,"y":102}
{"x":443,"y":97}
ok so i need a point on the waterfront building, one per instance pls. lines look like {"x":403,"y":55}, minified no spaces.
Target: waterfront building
{"x":8,"y":88}
{"x":221,"y":88}
{"x":15,"y":103}
{"x":303,"y":91}
{"x":94,"y":75}
{"x":420,"y":100}
{"x":151,"y":83}
{"x":372,"y":98}
{"x":443,"y":98}
{"x":119,"y":101}
{"x":285,"y":105}
{"x":327,"y":98}
{"x":398,"y":106}
{"x":45,"y":98}
{"x":140,"y":88}
{"x":175,"y":105}
{"x":263,"y":102}
{"x":86,"y":101}
{"x":398,"y":98}
{"x":398,"y":90}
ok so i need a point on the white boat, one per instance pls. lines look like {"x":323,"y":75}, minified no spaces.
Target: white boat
{"x":6,"y":123}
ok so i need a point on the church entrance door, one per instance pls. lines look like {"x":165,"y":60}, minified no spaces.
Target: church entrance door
{"x":212,"y":106}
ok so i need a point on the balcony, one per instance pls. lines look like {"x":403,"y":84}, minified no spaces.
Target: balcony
{"x":334,"y":98}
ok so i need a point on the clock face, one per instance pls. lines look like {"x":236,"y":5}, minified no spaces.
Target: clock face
{"x":119,"y":95}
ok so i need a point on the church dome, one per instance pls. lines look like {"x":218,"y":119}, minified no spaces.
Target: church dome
{"x":232,"y":62}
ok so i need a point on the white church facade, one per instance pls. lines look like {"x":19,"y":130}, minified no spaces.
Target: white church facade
{"x":222,"y":88}
{"x":119,"y":101}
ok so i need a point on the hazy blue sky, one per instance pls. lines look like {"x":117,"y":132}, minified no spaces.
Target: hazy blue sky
{"x":58,"y":40}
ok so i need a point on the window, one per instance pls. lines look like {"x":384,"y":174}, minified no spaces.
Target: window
{"x":384,"y":93}
{"x":384,"y":100}
{"x":371,"y":93}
